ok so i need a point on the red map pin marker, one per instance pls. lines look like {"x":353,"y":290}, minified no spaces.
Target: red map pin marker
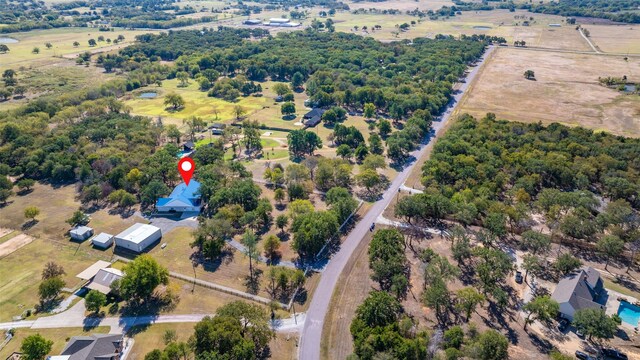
{"x":186,"y":166}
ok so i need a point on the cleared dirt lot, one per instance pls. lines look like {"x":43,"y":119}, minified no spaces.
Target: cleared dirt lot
{"x":624,"y":39}
{"x":566,"y":90}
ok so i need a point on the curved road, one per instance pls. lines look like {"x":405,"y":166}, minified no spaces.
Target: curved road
{"x":311,"y":335}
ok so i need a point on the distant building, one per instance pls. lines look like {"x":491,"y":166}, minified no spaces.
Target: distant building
{"x":188,"y":146}
{"x":94,"y":347}
{"x":102,"y":240}
{"x":581,"y":290}
{"x":81,"y":233}
{"x":313,"y":117}
{"x":138,"y":237}
{"x":217,"y":129}
{"x":184,"y":198}
{"x":252,"y":22}
{"x":279,"y":98}
{"x":278,"y":20}
{"x":555,"y":25}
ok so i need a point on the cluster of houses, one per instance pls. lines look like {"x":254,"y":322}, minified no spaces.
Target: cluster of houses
{"x":136,"y":238}
{"x":279,"y":22}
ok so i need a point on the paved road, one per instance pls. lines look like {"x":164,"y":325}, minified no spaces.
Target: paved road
{"x":311,"y":335}
{"x":74,"y":317}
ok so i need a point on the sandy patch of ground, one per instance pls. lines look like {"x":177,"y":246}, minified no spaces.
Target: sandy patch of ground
{"x":14,"y":244}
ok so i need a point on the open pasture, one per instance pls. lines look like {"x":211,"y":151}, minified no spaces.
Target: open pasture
{"x":62,"y":39}
{"x":623,"y":39}
{"x":400,"y":5}
{"x":496,"y":22}
{"x":566,"y":90}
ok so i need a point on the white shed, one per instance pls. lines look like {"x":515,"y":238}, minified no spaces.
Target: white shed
{"x":81,"y":233}
{"x":102,"y":240}
{"x":138,"y":237}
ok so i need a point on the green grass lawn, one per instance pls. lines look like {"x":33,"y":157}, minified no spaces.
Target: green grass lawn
{"x":197,"y":103}
{"x":20,"y":272}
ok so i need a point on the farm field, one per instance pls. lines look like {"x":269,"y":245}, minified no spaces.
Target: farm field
{"x":621,"y":39}
{"x":566,"y":90}
{"x":62,"y":40}
{"x":400,"y":5}
{"x":58,"y":336}
{"x":496,"y":23}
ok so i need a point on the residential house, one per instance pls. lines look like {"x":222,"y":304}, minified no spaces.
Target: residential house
{"x":184,"y":198}
{"x":94,"y":347}
{"x":583,"y":289}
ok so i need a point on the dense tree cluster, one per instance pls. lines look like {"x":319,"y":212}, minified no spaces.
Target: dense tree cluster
{"x":339,"y":69}
{"x":621,"y":10}
{"x":494,"y":172}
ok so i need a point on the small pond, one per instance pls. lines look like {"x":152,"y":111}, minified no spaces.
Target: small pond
{"x":148,"y":95}
{"x":8,"y":40}
{"x":630,"y":88}
{"x":482,"y":27}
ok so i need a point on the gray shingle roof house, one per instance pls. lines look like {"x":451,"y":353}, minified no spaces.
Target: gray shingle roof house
{"x":94,"y":347}
{"x":313,"y":117}
{"x":583,"y":289}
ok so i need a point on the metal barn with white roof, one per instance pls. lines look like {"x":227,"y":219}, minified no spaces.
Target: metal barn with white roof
{"x":138,"y":237}
{"x":102,"y":240}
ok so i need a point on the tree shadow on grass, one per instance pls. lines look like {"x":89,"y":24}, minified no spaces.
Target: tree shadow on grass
{"x":253,"y":282}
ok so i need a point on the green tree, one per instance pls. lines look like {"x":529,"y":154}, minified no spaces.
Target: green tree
{"x":30,"y":212}
{"x":529,"y":74}
{"x":92,"y":42}
{"x":280,"y":88}
{"x":76,"y":44}
{"x":36,"y":50}
{"x":174,"y":100}
{"x":531,"y":264}
{"x":369,"y":110}
{"x":151,"y":192}
{"x":282,"y":221}
{"x":183,"y":77}
{"x":51,"y":270}
{"x":387,"y":259}
{"x":271,"y":247}
{"x":312,"y":231}
{"x":541,"y":308}
{"x":94,"y":300}
{"x":610,"y":246}
{"x":254,"y":323}
{"x":303,"y":142}
{"x":384,"y":127}
{"x":595,"y":323}
{"x":468,"y":300}
{"x":4,"y":49}
{"x":173,"y":132}
{"x":77,"y":218}
{"x":35,"y":347}
{"x":375,"y":144}
{"x":288,"y":108}
{"x":25,"y":184}
{"x":369,"y":179}
{"x":566,"y":263}
{"x":344,"y":151}
{"x":437,"y":297}
{"x":297,"y":80}
{"x":250,"y":241}
{"x":141,"y":277}
{"x":50,"y":288}
{"x":238,"y":112}
{"x":210,"y":237}
{"x":536,"y":242}
{"x":378,"y":309}
{"x":492,"y":346}
{"x":279,"y":195}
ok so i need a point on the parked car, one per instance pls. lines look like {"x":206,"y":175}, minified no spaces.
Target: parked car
{"x":614,"y":354}
{"x":518,"y":277}
{"x":563,"y":324}
{"x":583,"y":356}
{"x":579,"y":333}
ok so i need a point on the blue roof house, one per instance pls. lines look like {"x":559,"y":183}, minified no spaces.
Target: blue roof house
{"x":184,"y":198}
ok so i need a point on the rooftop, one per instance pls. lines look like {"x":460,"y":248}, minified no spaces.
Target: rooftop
{"x":103,"y":279}
{"x":92,"y":270}
{"x":94,"y":347}
{"x":581,"y":289}
{"x":137,"y":232}
{"x":80,"y":230}
{"x":182,"y":195}
{"x":102,"y":238}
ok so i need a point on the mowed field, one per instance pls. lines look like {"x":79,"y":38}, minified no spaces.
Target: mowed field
{"x":62,"y":39}
{"x":496,"y":23}
{"x":401,"y":5}
{"x":566,"y":90}
{"x":624,"y":39}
